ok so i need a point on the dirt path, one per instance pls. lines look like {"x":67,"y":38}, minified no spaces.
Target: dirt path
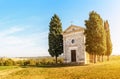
{"x":5,"y":73}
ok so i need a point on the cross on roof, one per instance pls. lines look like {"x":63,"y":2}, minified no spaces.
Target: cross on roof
{"x":71,"y":22}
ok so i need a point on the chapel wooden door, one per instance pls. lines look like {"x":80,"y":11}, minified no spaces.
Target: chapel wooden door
{"x":73,"y":55}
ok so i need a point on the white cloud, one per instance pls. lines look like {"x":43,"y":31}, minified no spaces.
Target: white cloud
{"x":34,"y":44}
{"x":11,"y":31}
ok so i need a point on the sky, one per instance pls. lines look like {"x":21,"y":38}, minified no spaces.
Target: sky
{"x":24,"y":24}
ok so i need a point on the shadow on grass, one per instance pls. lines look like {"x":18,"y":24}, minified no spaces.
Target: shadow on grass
{"x":55,"y":65}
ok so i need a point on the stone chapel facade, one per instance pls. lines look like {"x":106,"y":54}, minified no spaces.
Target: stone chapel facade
{"x":74,"y":45}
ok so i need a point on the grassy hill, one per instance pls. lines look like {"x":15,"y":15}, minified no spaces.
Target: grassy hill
{"x":104,"y":70}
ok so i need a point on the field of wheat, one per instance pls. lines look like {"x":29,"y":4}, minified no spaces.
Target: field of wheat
{"x":102,"y":70}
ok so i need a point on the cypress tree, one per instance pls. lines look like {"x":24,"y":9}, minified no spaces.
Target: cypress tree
{"x":55,"y":37}
{"x":108,"y":40}
{"x":95,"y":35}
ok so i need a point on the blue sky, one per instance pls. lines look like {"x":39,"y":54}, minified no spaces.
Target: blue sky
{"x":24,"y":24}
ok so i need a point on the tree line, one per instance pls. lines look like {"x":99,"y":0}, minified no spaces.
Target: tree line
{"x":29,"y":62}
{"x":97,"y":33}
{"x":98,"y":41}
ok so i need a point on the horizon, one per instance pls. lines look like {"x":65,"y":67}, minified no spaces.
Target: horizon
{"x":25,"y":24}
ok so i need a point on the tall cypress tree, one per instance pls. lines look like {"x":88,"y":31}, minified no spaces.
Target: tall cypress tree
{"x":95,"y":35}
{"x":108,"y":40}
{"x":55,"y":37}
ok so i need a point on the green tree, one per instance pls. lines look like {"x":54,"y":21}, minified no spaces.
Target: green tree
{"x":95,"y":35}
{"x":9,"y":62}
{"x":2,"y":61}
{"x":32,"y":62}
{"x":108,"y":40}
{"x":55,"y":37}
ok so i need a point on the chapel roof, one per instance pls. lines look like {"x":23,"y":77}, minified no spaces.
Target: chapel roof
{"x":73,"y":28}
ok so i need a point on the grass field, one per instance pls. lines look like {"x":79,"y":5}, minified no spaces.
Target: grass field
{"x":103,"y":70}
{"x":7,"y":67}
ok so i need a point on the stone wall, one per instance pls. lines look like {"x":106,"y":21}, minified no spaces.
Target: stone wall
{"x":78,"y":45}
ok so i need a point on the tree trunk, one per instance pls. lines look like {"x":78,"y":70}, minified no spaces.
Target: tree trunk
{"x":102,"y":58}
{"x":94,"y":58}
{"x":98,"y":58}
{"x":56,"y":59}
{"x":107,"y":57}
{"x":91,"y":58}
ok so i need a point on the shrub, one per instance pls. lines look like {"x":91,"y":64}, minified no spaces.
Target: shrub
{"x":8,"y":62}
{"x":32,"y":62}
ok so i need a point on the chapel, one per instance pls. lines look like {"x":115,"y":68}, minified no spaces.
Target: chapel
{"x":74,"y":45}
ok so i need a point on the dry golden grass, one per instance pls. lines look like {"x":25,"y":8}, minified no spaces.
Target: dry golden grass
{"x":104,"y":70}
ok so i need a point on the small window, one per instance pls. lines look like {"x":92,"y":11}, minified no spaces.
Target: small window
{"x":73,"y":41}
{"x":73,"y":29}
